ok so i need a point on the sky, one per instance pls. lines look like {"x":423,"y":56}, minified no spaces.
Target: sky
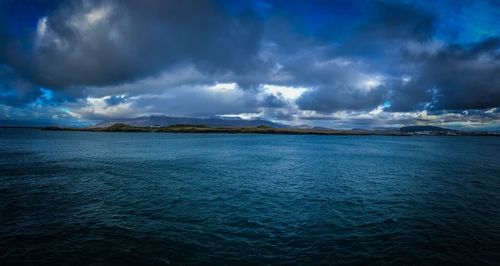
{"x":338,"y":64}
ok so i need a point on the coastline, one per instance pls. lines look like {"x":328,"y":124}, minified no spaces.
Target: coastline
{"x":258,"y":130}
{"x":230,"y":130}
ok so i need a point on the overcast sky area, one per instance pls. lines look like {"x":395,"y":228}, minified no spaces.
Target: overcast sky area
{"x":338,"y":64}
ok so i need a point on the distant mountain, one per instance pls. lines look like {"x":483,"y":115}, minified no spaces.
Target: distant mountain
{"x":303,"y":126}
{"x":147,"y":121}
{"x":320,"y":128}
{"x":410,"y":129}
{"x":385,"y":129}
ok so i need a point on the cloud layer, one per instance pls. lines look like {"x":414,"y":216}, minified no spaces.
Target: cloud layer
{"x":331,"y":63}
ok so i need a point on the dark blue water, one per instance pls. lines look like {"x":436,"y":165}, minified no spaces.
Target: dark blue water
{"x":155,"y":199}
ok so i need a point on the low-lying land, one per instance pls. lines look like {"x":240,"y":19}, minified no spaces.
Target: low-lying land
{"x":193,"y":128}
{"x":187,"y":128}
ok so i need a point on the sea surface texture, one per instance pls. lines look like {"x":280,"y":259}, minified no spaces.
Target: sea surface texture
{"x":82,"y":198}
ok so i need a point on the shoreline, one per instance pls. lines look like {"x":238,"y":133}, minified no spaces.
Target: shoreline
{"x":201,"y":129}
{"x":228,"y":130}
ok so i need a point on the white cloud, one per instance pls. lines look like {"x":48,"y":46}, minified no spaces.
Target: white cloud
{"x":98,"y":107}
{"x":97,"y":14}
{"x":245,"y":116}
{"x":405,"y":79}
{"x":369,"y":82}
{"x":491,"y":111}
{"x":41,"y":27}
{"x":90,"y":18}
{"x":223,"y":87}
{"x":288,"y":93}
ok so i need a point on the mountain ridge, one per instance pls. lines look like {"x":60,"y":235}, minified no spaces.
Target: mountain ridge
{"x":146,"y":121}
{"x":425,"y":128}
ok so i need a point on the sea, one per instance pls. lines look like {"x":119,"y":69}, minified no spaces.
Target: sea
{"x":96,"y":198}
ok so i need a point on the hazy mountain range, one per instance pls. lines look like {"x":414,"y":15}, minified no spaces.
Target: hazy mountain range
{"x":425,"y":128}
{"x":161,"y":121}
{"x":146,"y":121}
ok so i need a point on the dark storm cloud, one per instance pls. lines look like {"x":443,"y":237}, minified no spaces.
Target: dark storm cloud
{"x":272,"y":101}
{"x":15,"y":90}
{"x":335,"y":84}
{"x":455,"y":77}
{"x":466,"y":79}
{"x":402,"y":22}
{"x":329,"y":99}
{"x":172,"y":57}
{"x":108,"y":42}
{"x":193,"y":101}
{"x":387,"y":28}
{"x":377,"y":41}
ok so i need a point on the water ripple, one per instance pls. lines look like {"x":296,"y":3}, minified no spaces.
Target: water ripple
{"x":82,"y":198}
